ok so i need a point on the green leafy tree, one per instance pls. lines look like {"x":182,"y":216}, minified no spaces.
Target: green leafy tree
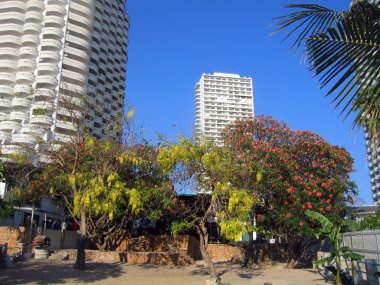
{"x":210,"y":170}
{"x":291,"y":172}
{"x":105,"y":186}
{"x":370,"y":222}
{"x":342,"y":48}
{"x":333,"y":232}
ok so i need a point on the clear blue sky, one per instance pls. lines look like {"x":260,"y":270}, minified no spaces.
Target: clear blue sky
{"x":172,"y":42}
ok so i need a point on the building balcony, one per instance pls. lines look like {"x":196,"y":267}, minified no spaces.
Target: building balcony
{"x":24,"y":77}
{"x":26,"y":65}
{"x":43,"y":105}
{"x":35,"y":5}
{"x":74,"y":75}
{"x":66,"y":125}
{"x":27,"y":52}
{"x":18,"y":116}
{"x":7,"y":79}
{"x":84,"y":33}
{"x":9,"y":126}
{"x":56,"y":8}
{"x":11,"y":28}
{"x":33,"y":130}
{"x":56,"y":44}
{"x":44,"y":94}
{"x":86,"y":44}
{"x":24,"y":139}
{"x":62,"y":137}
{"x":33,"y":17}
{"x":48,"y":68}
{"x":77,"y":64}
{"x":8,"y":65}
{"x":5,"y":104}
{"x":30,"y":40}
{"x":50,"y":80}
{"x":58,"y":32}
{"x":56,"y":20}
{"x":6,"y":91}
{"x":5,"y":136}
{"x":77,"y":52}
{"x":69,"y":113}
{"x":32,"y":29}
{"x":18,"y":103}
{"x":50,"y":55}
{"x":10,"y":40}
{"x":16,"y":15}
{"x":43,"y":120}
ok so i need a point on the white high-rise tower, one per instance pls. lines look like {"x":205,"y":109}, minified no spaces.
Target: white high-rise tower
{"x":53,"y":51}
{"x":221,"y":98}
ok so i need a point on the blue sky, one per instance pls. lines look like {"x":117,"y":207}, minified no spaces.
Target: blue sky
{"x":173,"y":42}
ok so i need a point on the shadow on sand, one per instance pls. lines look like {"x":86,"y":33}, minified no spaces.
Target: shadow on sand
{"x":51,"y":272}
{"x":224,"y":267}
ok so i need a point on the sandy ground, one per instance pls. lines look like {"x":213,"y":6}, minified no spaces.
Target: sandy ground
{"x":57,"y":272}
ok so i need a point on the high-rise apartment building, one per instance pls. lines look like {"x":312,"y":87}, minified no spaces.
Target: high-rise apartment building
{"x":56,"y":51}
{"x":221,"y":98}
{"x":373,"y":157}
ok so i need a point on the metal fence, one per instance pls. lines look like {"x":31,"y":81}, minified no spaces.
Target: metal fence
{"x":366,"y":243}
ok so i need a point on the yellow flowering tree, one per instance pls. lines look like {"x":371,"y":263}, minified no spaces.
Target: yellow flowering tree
{"x":211,"y":170}
{"x":105,"y":186}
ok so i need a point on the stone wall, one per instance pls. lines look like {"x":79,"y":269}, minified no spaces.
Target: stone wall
{"x":225,"y":252}
{"x":13,"y":237}
{"x":157,"y":258}
{"x":94,"y":255}
{"x":164,"y":243}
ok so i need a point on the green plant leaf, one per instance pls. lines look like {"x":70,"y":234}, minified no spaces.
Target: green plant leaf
{"x":328,"y":259}
{"x":354,"y":256}
{"x":326,"y":224}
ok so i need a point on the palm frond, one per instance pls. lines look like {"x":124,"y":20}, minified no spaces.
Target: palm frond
{"x":348,"y":55}
{"x":311,"y":19}
{"x":343,"y":50}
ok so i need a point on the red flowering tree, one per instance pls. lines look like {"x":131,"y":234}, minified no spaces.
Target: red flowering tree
{"x":300,"y":171}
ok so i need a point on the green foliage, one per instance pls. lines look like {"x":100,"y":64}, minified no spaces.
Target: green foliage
{"x":39,"y":112}
{"x":213,"y":168}
{"x":370,"y":222}
{"x":291,"y":172}
{"x":178,"y":227}
{"x":333,"y":232}
{"x":6,"y":209}
{"x":111,"y":184}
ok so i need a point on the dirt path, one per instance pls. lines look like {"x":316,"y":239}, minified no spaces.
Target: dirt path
{"x":54,"y":272}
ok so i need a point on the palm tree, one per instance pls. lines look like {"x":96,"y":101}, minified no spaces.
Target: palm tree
{"x":343,"y":51}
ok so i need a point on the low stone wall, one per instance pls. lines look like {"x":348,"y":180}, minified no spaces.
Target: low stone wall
{"x":13,"y":237}
{"x":157,"y":258}
{"x":225,"y":252}
{"x":94,"y":255}
{"x":164,"y":243}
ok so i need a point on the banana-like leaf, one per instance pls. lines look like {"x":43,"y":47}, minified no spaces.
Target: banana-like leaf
{"x":326,"y":224}
{"x":354,"y":256}
{"x":324,"y":260}
{"x":344,"y":249}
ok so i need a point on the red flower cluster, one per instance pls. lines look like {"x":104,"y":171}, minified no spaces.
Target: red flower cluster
{"x":300,"y":169}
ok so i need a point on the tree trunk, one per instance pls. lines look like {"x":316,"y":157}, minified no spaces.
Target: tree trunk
{"x":80,"y":262}
{"x":203,"y":243}
{"x":248,"y":252}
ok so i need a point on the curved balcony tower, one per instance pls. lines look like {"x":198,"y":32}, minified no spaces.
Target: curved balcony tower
{"x":55,"y":57}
